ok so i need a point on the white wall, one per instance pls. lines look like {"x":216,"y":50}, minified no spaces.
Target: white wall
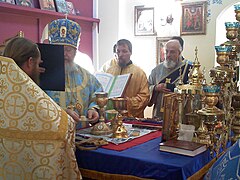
{"x":117,"y":21}
{"x":225,"y":16}
{"x":108,"y":13}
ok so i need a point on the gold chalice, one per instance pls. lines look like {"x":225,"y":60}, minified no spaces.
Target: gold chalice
{"x":120,"y":104}
{"x":101,"y":128}
{"x":101,"y":100}
{"x":119,"y":130}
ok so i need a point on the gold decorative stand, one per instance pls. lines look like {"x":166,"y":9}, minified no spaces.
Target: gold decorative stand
{"x":190,"y":95}
{"x":236,"y":122}
{"x":212,"y":118}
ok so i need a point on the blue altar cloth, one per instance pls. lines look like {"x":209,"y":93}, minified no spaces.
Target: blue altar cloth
{"x":144,"y":160}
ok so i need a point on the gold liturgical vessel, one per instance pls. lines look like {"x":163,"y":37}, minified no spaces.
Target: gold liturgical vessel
{"x":119,"y":130}
{"x":101,"y":128}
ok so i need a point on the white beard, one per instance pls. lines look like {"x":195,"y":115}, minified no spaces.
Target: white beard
{"x":170,"y":64}
{"x":70,"y":67}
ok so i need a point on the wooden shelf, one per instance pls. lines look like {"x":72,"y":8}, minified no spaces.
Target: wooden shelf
{"x":35,"y":12}
{"x":32,"y":21}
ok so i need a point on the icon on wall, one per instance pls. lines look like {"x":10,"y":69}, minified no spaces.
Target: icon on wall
{"x":28,"y":3}
{"x":144,"y":21}
{"x":61,"y":6}
{"x":47,"y":5}
{"x":8,"y":1}
{"x":160,"y":48}
{"x":70,"y":7}
{"x":194,"y":17}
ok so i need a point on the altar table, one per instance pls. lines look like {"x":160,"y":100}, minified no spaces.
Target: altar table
{"x":141,"y":161}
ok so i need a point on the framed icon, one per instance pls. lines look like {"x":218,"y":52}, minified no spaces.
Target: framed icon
{"x":144,"y":21}
{"x":70,"y":7}
{"x":28,"y":3}
{"x":194,"y":18}
{"x":8,"y":1}
{"x":61,"y":6}
{"x":47,"y":5}
{"x":160,"y":48}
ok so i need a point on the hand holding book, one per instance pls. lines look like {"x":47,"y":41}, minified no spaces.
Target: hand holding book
{"x":115,"y":86}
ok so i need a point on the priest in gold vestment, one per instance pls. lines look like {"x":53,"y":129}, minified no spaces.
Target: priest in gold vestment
{"x":36,"y":135}
{"x":137,"y":92}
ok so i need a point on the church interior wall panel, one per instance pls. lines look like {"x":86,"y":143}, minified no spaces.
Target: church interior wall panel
{"x":33,"y":20}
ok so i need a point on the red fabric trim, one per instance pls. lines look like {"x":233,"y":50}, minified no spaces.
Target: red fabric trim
{"x":134,"y":142}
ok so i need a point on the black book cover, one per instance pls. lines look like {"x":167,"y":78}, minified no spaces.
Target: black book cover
{"x":53,"y":61}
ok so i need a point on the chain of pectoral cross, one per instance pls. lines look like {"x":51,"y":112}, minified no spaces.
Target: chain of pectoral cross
{"x":71,"y":84}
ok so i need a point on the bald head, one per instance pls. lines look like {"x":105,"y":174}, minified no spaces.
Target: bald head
{"x":173,"y":53}
{"x":174,"y":43}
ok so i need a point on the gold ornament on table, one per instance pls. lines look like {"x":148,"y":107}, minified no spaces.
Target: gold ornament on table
{"x":191,"y":94}
{"x":231,"y":30}
{"x":237,"y":11}
{"x":120,"y":104}
{"x":236,"y":121}
{"x":101,"y":128}
{"x":211,"y":118}
{"x":120,"y":130}
{"x":111,"y":116}
{"x":232,"y":34}
{"x":237,"y":16}
{"x":223,"y":76}
{"x":195,"y":75}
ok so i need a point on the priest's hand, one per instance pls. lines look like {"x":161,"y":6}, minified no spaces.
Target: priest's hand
{"x":93,"y":115}
{"x":162,"y":88}
{"x":73,"y":114}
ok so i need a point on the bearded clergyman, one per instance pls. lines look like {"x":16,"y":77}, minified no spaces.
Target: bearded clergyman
{"x":165,"y":76}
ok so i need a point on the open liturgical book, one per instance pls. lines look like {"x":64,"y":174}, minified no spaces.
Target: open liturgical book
{"x":115,"y":86}
{"x":187,"y":148}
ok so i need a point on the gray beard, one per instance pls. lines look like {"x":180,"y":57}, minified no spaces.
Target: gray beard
{"x":170,"y":64}
{"x":70,"y":67}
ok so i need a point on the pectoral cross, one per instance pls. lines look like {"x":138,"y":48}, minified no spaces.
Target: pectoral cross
{"x":168,"y":80}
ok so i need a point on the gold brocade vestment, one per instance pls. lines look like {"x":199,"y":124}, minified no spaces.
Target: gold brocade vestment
{"x":137,"y":90}
{"x":36,"y":135}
